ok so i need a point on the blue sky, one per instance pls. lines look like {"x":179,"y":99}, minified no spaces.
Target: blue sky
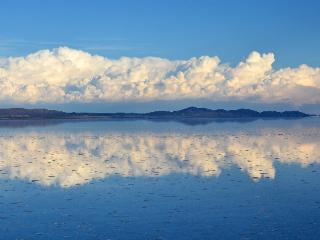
{"x":171,"y":30}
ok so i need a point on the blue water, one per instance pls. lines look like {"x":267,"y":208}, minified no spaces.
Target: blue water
{"x":160,"y":180}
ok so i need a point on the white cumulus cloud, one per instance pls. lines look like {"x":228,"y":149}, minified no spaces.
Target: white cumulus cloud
{"x":67,"y":75}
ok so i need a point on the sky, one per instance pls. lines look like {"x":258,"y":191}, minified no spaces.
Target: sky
{"x":154,"y":55}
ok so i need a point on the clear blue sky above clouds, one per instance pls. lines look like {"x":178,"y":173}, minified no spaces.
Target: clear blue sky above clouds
{"x":172,"y":29}
{"x":179,"y":29}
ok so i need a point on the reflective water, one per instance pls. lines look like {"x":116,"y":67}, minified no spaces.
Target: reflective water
{"x":160,"y":180}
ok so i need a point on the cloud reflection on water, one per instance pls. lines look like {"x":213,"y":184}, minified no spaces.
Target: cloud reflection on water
{"x":71,"y":159}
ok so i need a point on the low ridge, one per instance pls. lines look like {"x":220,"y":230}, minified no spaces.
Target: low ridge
{"x":190,"y":112}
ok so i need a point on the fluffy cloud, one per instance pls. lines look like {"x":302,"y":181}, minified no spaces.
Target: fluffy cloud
{"x":69,"y":75}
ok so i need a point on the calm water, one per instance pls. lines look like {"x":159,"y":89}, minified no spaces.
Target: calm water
{"x":160,"y":180}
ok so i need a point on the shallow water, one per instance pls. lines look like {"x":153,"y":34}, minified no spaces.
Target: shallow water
{"x":160,"y":180}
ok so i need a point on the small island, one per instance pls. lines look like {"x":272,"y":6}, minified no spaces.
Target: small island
{"x":186,"y":113}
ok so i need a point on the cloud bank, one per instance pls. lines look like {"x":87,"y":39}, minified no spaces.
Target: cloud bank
{"x":65,"y":75}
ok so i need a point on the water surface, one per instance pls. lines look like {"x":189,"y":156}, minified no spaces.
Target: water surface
{"x":160,"y":180}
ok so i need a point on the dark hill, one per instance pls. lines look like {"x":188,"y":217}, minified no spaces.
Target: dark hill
{"x":194,"y":112}
{"x":190,"y":112}
{"x":30,"y":113}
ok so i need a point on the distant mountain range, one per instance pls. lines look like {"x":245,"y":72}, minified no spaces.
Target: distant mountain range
{"x":187,"y":113}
